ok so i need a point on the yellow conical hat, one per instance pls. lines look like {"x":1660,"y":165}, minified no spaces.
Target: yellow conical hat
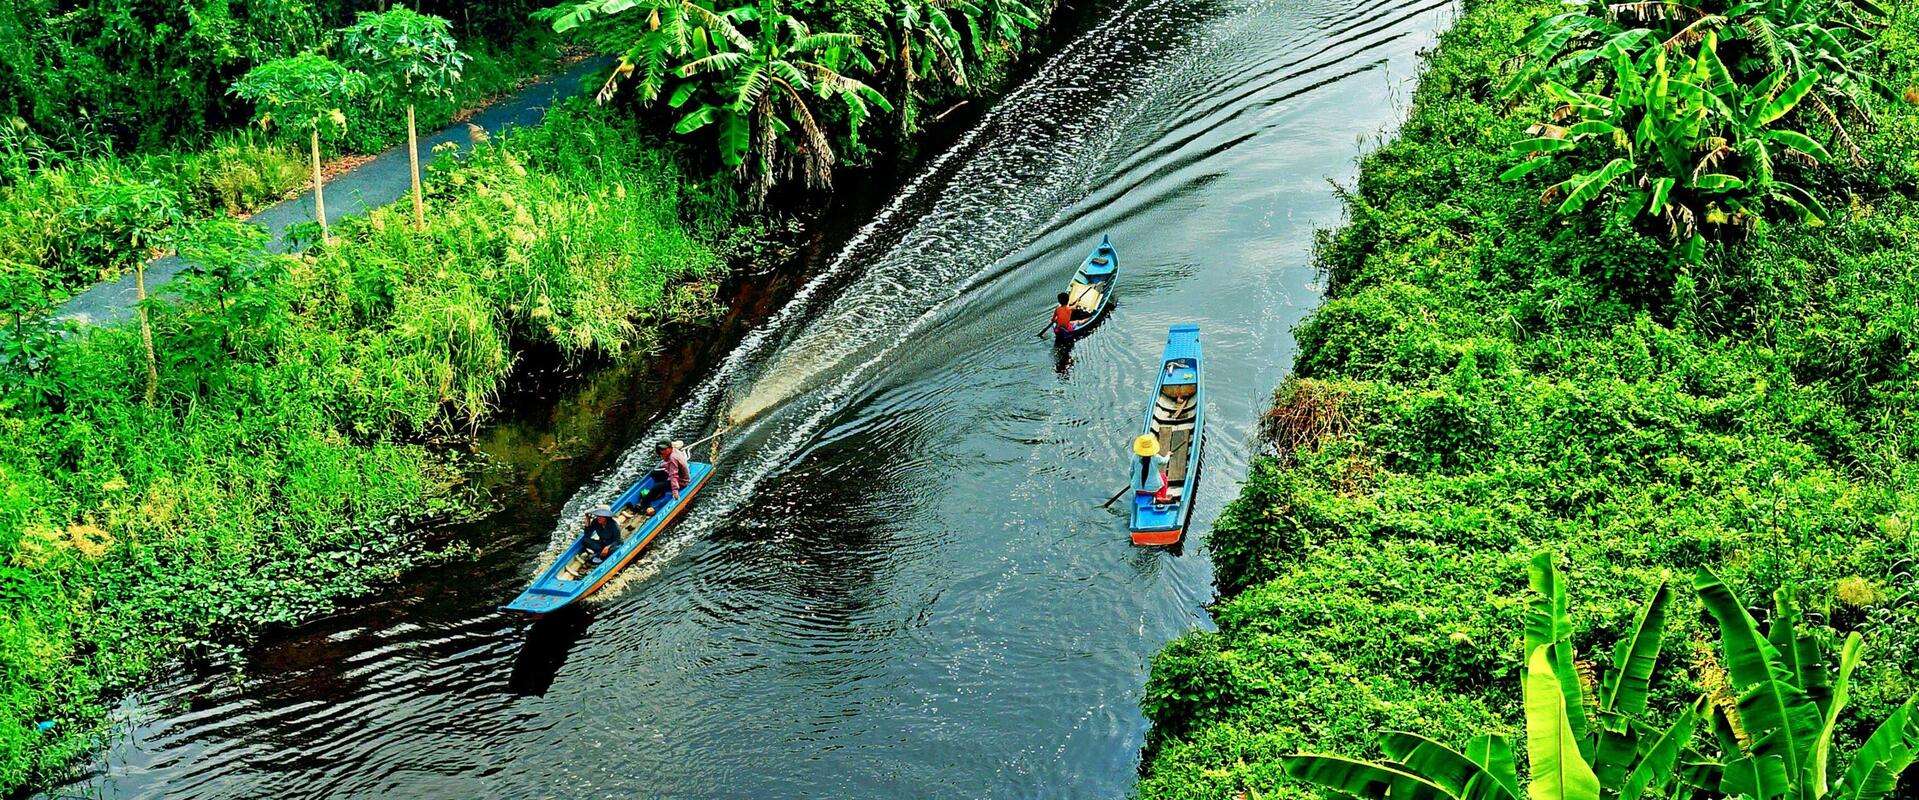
{"x":1146,"y":446}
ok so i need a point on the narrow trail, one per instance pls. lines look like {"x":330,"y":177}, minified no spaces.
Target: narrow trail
{"x":899,"y":583}
{"x":376,"y":183}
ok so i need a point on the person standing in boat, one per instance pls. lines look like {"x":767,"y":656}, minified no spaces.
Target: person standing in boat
{"x":670,"y":477}
{"x":602,"y":533}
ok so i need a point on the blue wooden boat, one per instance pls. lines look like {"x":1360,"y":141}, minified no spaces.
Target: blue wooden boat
{"x":1091,"y":291}
{"x":1177,"y":421}
{"x":574,"y":576}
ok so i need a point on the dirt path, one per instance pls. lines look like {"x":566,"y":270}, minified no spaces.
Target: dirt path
{"x":375,"y":183}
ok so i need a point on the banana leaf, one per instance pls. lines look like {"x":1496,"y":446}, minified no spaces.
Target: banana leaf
{"x":1635,"y":656}
{"x":1778,"y":717}
{"x":1559,"y":771}
{"x":1443,"y":766}
{"x":1547,"y":621}
{"x":1656,"y":769}
{"x":1875,"y":770}
{"x":1494,"y":754}
{"x":1362,"y":779}
{"x":1836,"y":700}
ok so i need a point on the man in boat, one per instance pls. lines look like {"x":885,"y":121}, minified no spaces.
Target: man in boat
{"x":1066,"y":314}
{"x":669,"y":478}
{"x":1153,"y":463}
{"x":602,"y":534}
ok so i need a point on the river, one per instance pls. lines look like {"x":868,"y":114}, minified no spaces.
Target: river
{"x":900,"y":583}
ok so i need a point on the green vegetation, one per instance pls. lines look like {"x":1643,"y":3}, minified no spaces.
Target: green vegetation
{"x":1772,"y":723}
{"x":1697,"y":132}
{"x":60,"y":227}
{"x":143,"y":75}
{"x":289,"y":448}
{"x":1490,"y":378}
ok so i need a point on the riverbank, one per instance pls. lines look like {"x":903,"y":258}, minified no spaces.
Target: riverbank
{"x":1487,"y":380}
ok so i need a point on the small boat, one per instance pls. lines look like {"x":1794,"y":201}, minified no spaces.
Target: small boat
{"x":1091,"y":291}
{"x":574,"y":575}
{"x":1175,"y":421}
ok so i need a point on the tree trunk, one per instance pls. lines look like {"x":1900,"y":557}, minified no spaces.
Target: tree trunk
{"x":413,"y":159}
{"x":319,"y":200}
{"x":146,"y":330}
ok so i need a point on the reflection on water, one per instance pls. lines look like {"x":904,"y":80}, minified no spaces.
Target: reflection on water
{"x":901,"y":582}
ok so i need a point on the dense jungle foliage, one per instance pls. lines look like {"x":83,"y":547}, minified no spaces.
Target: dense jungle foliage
{"x":302,"y":419}
{"x":1493,"y":375}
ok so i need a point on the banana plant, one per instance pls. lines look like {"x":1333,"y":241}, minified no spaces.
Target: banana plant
{"x":757,"y":98}
{"x":653,"y":37}
{"x":1584,"y":743}
{"x":1697,"y":103}
{"x":1692,"y":146}
{"x":999,"y":23}
{"x":929,"y":46}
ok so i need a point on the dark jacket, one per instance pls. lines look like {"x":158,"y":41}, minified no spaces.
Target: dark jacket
{"x":602,"y":533}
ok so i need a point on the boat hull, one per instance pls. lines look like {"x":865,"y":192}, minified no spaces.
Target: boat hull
{"x":554,"y":591}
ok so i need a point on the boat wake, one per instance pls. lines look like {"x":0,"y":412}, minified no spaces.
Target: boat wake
{"x":974,"y":203}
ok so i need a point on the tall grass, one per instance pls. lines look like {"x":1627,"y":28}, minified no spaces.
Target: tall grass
{"x":1486,"y":381}
{"x":292,"y":445}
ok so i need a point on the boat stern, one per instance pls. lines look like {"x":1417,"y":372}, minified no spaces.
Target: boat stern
{"x":1158,"y":538}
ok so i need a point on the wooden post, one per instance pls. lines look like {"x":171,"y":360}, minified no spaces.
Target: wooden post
{"x":319,"y":199}
{"x":146,"y":328}
{"x":413,"y":158}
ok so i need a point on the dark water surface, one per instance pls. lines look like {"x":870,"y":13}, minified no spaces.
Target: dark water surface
{"x":899,"y":584}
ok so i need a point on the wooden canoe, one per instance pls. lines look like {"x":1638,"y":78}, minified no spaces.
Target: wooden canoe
{"x":1177,"y":418}
{"x":1091,"y":290}
{"x":573,"y":577}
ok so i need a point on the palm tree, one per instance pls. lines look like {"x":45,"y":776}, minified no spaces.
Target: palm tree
{"x":757,"y":98}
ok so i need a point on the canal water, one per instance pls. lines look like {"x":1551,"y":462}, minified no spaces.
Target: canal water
{"x":900,"y":583}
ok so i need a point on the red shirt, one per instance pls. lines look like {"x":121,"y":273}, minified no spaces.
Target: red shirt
{"x":1063,"y":317}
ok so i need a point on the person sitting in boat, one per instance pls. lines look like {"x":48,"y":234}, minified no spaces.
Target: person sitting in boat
{"x":1152,"y":463}
{"x":1067,"y":314}
{"x":602,"y":534}
{"x":669,"y":478}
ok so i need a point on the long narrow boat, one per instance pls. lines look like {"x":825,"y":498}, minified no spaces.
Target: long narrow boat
{"x":574,"y":576}
{"x":1091,"y":291}
{"x":1177,"y":422}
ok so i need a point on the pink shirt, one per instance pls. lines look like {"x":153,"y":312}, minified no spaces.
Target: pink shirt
{"x":677,"y":474}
